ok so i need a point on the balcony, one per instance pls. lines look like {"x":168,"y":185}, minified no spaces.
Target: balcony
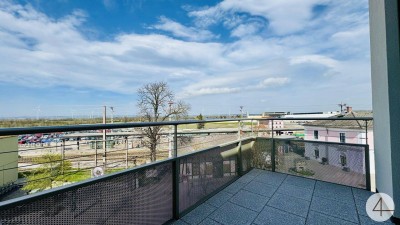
{"x":255,"y":179}
{"x":264,"y":197}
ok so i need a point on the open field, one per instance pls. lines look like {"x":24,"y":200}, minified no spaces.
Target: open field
{"x":59,"y":122}
{"x":69,"y":121}
{"x":217,"y":125}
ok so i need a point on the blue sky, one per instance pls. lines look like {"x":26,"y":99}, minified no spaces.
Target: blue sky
{"x":70,"y":57}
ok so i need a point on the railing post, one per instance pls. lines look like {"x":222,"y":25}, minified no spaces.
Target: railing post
{"x":366,"y":132}
{"x":252,"y":133}
{"x":3,"y":175}
{"x":175,"y":177}
{"x":367,"y":160}
{"x":239,"y":131}
{"x":240,"y":165}
{"x":367,"y":169}
{"x":105,"y":154}
{"x":240,"y":162}
{"x":273,"y":147}
{"x":175,"y":141}
{"x":62,"y":156}
{"x":126,"y":153}
{"x":95,"y":155}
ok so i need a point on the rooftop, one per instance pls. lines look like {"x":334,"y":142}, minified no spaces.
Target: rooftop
{"x":264,"y":197}
{"x":348,"y":124}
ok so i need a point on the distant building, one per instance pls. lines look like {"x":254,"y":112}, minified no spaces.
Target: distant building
{"x":340,"y":131}
{"x":316,"y":115}
{"x":8,"y":160}
{"x":274,"y":114}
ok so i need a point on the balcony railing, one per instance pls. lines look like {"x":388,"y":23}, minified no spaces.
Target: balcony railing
{"x":157,"y":192}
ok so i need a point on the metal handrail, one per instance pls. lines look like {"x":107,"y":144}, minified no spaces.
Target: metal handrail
{"x":80,"y":184}
{"x":40,"y":195}
{"x":50,"y":129}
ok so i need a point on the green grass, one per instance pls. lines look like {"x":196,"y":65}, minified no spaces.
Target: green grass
{"x":59,"y":122}
{"x":78,"y":175}
{"x":307,"y":172}
{"x":62,"y":122}
{"x":73,"y":175}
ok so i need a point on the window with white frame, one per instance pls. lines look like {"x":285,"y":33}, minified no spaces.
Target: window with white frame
{"x":342,"y":137}
{"x":315,"y":134}
{"x":316,"y":153}
{"x":343,"y":160}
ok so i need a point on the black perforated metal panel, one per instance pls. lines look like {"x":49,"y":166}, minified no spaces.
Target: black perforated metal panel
{"x":205,"y":172}
{"x":262,"y":154}
{"x":332,"y":162}
{"x":139,"y":197}
{"x":247,"y":155}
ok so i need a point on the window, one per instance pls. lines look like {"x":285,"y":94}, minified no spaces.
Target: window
{"x":315,"y":134}
{"x":342,"y":137}
{"x":316,"y":153}
{"x":343,"y":160}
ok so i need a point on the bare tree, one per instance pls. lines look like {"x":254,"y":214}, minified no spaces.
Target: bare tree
{"x":155,"y":105}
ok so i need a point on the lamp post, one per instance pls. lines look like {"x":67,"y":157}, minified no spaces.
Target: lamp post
{"x":170,"y":103}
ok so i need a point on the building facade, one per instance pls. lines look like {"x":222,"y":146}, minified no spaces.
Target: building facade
{"x":346,"y":156}
{"x":8,"y":160}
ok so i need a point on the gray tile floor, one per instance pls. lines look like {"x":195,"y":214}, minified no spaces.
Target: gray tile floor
{"x":264,"y":197}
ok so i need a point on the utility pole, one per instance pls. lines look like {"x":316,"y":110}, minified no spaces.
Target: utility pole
{"x":341,"y":107}
{"x":170,"y":130}
{"x":37,"y":112}
{"x":240,"y":122}
{"x":104,"y":138}
{"x":112,"y":114}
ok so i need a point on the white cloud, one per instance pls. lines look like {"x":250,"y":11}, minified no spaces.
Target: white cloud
{"x":222,"y":90}
{"x":285,"y":17}
{"x":40,"y":51}
{"x":318,"y":59}
{"x":37,"y":50}
{"x":274,"y":81}
{"x":178,"y":30}
{"x":270,"y":83}
{"x":244,"y":30}
{"x":250,"y":80}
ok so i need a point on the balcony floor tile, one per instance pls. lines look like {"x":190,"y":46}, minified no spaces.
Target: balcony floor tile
{"x":234,"y":187}
{"x":219,"y":199}
{"x":209,"y":221}
{"x":335,"y":208}
{"x":360,"y":194}
{"x":264,"y":197}
{"x":198,"y":214}
{"x":316,"y":218}
{"x":300,"y":182}
{"x":274,"y":216}
{"x":260,"y":188}
{"x":295,"y":191}
{"x":231,"y":214}
{"x":270,"y":178}
{"x":334,"y":192}
{"x":246,"y":179}
{"x":249,"y":200}
{"x":365,"y":220}
{"x":290,"y":204}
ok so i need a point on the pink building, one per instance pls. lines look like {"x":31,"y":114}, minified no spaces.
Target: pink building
{"x":349,"y":157}
{"x":276,"y":124}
